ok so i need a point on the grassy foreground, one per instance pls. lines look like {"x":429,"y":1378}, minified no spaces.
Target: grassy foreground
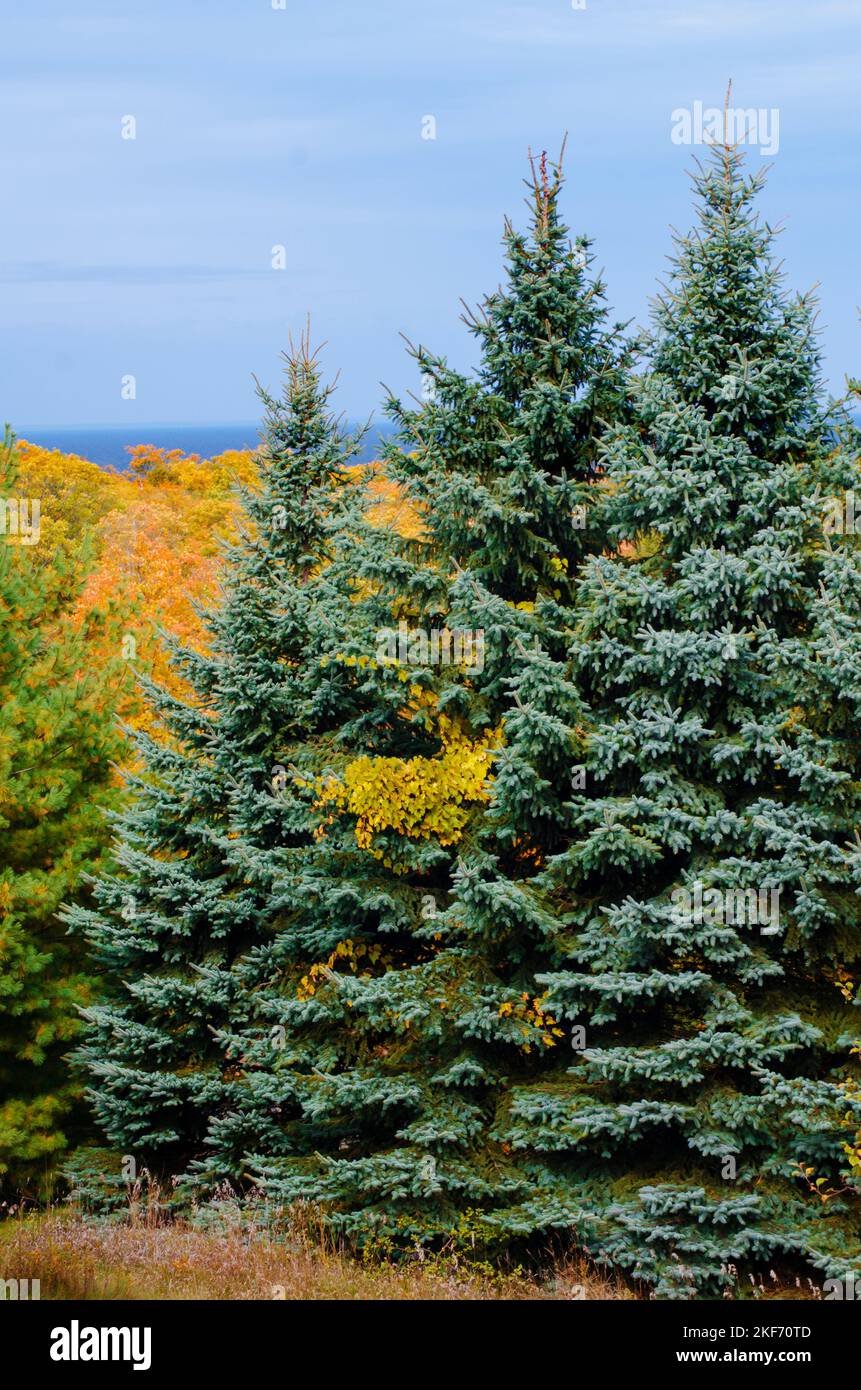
{"x":78,"y":1259}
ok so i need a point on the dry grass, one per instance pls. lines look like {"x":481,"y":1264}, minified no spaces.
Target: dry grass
{"x":78,"y":1259}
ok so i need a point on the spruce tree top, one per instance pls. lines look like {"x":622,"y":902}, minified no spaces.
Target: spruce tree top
{"x":499,"y":462}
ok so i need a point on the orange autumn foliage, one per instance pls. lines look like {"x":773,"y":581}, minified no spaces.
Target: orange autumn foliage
{"x":156,"y":533}
{"x":389,"y":507}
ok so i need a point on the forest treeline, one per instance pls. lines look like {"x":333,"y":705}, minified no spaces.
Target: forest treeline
{"x":469,"y":845}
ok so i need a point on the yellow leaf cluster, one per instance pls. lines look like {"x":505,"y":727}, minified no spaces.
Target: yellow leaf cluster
{"x":531,"y":1013}
{"x":843,"y":981}
{"x":419,"y":798}
{"x":351,"y":953}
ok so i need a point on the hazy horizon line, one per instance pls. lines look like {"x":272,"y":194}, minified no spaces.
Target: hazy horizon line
{"x":151,"y":424}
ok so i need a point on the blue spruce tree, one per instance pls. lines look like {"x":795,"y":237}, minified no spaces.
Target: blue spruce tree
{"x":189,"y":901}
{"x":705,"y":903}
{"x":402,"y":1036}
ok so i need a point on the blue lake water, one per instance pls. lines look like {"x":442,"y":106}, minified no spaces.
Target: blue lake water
{"x":108,"y":445}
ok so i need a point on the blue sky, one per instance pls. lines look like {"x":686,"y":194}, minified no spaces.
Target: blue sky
{"x":302,"y":126}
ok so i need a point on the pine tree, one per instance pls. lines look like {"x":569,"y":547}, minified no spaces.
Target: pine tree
{"x":706,"y":901}
{"x":501,"y":463}
{"x":189,"y":901}
{"x":57,"y":740}
{"x":403,"y":1030}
